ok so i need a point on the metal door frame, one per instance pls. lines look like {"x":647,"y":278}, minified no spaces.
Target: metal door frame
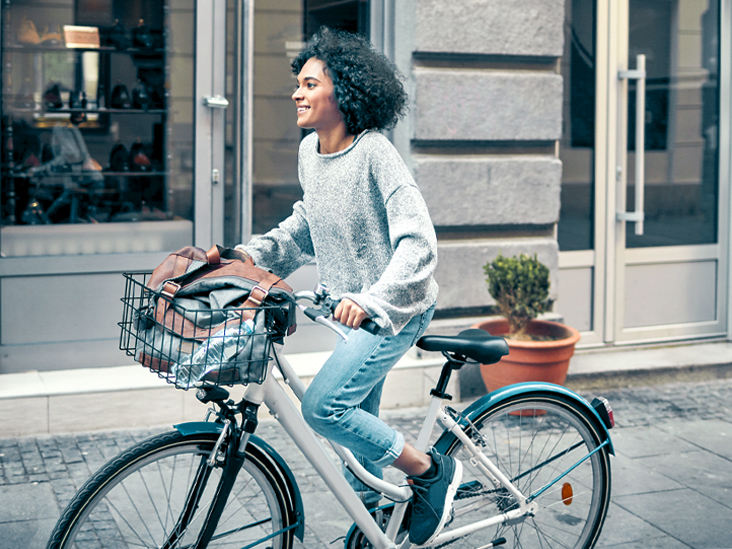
{"x":618,"y":256}
{"x":609,"y":257}
{"x":210,"y":123}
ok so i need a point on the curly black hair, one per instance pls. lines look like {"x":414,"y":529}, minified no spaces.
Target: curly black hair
{"x":367,"y":85}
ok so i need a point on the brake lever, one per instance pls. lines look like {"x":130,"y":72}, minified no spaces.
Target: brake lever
{"x":321,"y":317}
{"x":325,"y":322}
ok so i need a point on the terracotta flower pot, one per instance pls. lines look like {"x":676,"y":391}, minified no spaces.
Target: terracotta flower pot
{"x":530,"y":360}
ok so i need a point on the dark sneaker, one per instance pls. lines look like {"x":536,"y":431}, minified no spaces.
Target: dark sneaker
{"x":432,"y":499}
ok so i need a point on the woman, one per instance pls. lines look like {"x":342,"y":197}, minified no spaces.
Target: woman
{"x":364,"y":221}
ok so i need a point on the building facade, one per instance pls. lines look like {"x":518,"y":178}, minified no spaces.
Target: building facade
{"x":131,"y":129}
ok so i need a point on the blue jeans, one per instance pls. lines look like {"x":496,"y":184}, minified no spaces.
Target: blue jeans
{"x":342,"y":402}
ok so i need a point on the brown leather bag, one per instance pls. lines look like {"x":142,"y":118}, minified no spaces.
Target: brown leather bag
{"x":199,"y":299}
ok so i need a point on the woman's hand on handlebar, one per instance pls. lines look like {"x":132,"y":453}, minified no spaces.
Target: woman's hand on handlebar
{"x":349,"y":314}
{"x":345,"y":312}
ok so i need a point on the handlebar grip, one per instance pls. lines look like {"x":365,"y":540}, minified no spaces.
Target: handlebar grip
{"x":370,"y":326}
{"x":311,"y":313}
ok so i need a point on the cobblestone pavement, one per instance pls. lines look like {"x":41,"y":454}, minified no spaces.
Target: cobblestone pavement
{"x":39,"y":475}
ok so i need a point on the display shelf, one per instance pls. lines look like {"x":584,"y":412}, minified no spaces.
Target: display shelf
{"x":87,"y":173}
{"x":58,"y":191}
{"x":23,"y":48}
{"x":86,"y":111}
{"x":136,"y":235}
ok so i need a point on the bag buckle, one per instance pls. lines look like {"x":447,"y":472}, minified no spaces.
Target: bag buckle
{"x":169,"y":290}
{"x":257,"y":301}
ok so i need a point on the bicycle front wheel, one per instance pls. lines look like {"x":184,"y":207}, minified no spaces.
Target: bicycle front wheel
{"x":158,"y":494}
{"x":533,"y":439}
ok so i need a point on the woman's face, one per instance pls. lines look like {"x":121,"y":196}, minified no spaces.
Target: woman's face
{"x":316,"y":105}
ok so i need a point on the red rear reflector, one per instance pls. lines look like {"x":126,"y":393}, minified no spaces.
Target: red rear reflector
{"x":567,"y":493}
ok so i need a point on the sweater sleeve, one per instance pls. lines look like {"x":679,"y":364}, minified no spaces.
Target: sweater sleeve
{"x":286,"y":248}
{"x":406,"y":287}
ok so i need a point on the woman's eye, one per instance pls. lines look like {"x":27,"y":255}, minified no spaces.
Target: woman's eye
{"x":311,"y":85}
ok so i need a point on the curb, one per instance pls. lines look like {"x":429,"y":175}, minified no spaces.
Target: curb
{"x":646,"y":377}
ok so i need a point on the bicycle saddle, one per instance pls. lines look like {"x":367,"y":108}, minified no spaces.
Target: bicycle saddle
{"x":474,"y":343}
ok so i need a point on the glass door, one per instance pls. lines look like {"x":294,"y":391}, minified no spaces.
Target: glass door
{"x":670,"y":254}
{"x":642,"y":231}
{"x":581,"y":227}
{"x":280,"y":29}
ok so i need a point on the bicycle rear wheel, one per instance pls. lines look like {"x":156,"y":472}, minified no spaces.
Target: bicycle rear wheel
{"x":533,"y":438}
{"x":158,"y":493}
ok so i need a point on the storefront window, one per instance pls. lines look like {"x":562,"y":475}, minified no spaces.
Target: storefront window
{"x":97,"y":127}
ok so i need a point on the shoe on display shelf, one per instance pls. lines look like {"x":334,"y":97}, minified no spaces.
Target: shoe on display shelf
{"x":27,"y":33}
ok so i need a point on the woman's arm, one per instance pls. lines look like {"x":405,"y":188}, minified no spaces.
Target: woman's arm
{"x":286,"y":248}
{"x":406,"y":286}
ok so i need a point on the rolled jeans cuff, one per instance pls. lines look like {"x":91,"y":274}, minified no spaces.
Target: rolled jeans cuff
{"x":394,"y":451}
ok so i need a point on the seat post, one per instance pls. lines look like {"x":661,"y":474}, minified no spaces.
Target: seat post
{"x":440,"y":391}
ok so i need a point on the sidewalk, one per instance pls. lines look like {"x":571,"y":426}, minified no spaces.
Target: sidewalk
{"x":111,"y":398}
{"x":671,"y":472}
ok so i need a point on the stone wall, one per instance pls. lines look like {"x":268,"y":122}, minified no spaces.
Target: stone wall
{"x":486,"y":113}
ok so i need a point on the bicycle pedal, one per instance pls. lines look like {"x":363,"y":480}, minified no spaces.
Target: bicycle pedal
{"x":469,"y":489}
{"x":494,"y":543}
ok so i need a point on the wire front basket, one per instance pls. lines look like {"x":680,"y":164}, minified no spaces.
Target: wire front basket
{"x":189,"y":344}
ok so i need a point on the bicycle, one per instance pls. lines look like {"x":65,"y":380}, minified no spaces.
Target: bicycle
{"x":536,"y":467}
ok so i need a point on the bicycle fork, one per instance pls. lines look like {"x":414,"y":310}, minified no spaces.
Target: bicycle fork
{"x":236,"y":441}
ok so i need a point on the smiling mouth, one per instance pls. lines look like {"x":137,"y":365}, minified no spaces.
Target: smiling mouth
{"x":302,"y":109}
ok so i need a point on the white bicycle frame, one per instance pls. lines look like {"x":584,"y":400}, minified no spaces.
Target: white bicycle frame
{"x":273,"y":395}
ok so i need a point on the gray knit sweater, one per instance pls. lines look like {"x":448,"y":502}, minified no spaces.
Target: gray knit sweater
{"x":364,"y":221}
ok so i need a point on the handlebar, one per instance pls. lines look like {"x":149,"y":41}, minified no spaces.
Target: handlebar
{"x":323,"y":307}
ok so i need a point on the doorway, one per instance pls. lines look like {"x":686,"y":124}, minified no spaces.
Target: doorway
{"x":643,"y":227}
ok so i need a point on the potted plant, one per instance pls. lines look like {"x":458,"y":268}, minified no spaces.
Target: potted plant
{"x":539,"y":350}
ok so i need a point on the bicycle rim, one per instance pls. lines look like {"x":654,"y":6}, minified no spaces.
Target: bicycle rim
{"x":533,"y":439}
{"x":154,"y":495}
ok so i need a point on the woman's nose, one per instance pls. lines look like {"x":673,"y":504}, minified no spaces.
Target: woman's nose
{"x":296,"y":94}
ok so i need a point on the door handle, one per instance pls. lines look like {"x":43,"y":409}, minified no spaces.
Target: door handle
{"x":639,"y":75}
{"x":215,"y":102}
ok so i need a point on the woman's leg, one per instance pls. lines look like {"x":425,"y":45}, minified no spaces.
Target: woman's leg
{"x":343,"y":399}
{"x":369,"y":497}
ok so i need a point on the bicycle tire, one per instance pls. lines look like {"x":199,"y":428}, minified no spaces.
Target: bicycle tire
{"x":138,"y":499}
{"x":521,"y":434}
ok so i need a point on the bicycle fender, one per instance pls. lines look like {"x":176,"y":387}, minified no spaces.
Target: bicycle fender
{"x":194,"y":427}
{"x":499,"y":395}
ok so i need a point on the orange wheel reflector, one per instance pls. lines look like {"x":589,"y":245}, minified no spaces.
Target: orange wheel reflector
{"x":567,"y":493}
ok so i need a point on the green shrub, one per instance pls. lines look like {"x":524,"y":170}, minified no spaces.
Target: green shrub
{"x":520,"y":286}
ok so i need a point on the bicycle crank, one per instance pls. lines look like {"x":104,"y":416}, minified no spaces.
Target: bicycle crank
{"x":494,"y":543}
{"x":355,"y":538}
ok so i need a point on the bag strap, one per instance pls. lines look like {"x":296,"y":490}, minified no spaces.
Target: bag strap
{"x":260,"y":292}
{"x":171,"y":287}
{"x":175,"y":266}
{"x":213,"y":256}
